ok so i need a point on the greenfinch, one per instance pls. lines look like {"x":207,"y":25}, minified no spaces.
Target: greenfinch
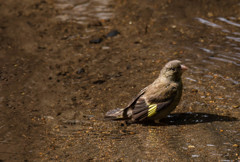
{"x":157,"y":100}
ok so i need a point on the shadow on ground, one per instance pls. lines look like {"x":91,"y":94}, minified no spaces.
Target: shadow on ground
{"x":191,"y":118}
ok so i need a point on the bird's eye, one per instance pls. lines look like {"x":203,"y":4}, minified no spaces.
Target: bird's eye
{"x":173,"y":69}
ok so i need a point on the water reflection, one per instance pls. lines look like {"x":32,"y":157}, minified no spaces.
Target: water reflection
{"x":229,"y":22}
{"x":83,"y":11}
{"x":220,"y":56}
{"x":203,"y":21}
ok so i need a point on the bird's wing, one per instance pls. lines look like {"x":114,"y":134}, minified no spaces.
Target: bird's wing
{"x":161,"y":92}
{"x":137,"y":97}
{"x":142,"y":110}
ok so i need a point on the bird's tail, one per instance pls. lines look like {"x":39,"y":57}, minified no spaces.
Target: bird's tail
{"x":115,"y":114}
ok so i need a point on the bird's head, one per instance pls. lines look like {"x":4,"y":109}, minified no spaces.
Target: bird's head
{"x":173,"y":70}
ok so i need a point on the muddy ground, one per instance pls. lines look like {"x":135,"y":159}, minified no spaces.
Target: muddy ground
{"x":56,"y":86}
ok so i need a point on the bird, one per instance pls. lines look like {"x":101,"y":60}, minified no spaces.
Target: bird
{"x":155,"y":101}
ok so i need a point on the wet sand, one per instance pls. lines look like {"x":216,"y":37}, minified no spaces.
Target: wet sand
{"x":56,"y":86}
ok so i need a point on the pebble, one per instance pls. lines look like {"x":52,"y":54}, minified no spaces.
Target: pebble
{"x":235,"y":145}
{"x":80,"y":71}
{"x":191,"y":146}
{"x":96,"y":41}
{"x":113,"y":33}
{"x":99,"y":81}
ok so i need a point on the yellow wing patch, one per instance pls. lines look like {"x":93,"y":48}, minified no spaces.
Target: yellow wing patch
{"x":152,"y":110}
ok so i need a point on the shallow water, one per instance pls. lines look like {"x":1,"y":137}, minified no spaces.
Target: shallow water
{"x":205,"y":35}
{"x":84,"y":11}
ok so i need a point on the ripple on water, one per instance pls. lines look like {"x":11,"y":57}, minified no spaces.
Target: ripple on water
{"x":195,"y":156}
{"x":237,"y":39}
{"x":226,"y":60}
{"x":209,"y":23}
{"x":83,"y":11}
{"x":231,"y":43}
{"x":217,"y":59}
{"x":229,"y":22}
{"x":210,"y":145}
{"x":206,"y":50}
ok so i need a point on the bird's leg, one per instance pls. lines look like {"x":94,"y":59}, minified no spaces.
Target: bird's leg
{"x":157,"y":121}
{"x":127,"y":123}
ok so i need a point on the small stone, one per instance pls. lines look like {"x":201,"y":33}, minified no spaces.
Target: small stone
{"x":112,"y":33}
{"x":236,"y":106}
{"x":210,"y":14}
{"x":74,"y":99}
{"x":99,"y":81}
{"x":235,"y":145}
{"x":191,"y":146}
{"x":96,"y":41}
{"x":132,"y":133}
{"x":194,"y":90}
{"x":105,"y":47}
{"x":201,"y":40}
{"x":49,"y":117}
{"x":80,"y":71}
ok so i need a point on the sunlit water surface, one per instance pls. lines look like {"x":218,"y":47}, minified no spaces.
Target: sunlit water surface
{"x":83,"y":11}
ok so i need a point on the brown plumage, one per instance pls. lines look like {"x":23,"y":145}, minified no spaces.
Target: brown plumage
{"x":158,"y":99}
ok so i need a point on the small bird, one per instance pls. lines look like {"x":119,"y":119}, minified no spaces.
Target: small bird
{"x":157,"y":100}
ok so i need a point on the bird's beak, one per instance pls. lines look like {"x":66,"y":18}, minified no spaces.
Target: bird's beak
{"x":184,"y":68}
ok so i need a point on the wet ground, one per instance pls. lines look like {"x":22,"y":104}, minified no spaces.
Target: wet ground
{"x":61,"y":71}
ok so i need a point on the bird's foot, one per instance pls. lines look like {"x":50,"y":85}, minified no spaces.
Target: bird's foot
{"x":158,"y":122}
